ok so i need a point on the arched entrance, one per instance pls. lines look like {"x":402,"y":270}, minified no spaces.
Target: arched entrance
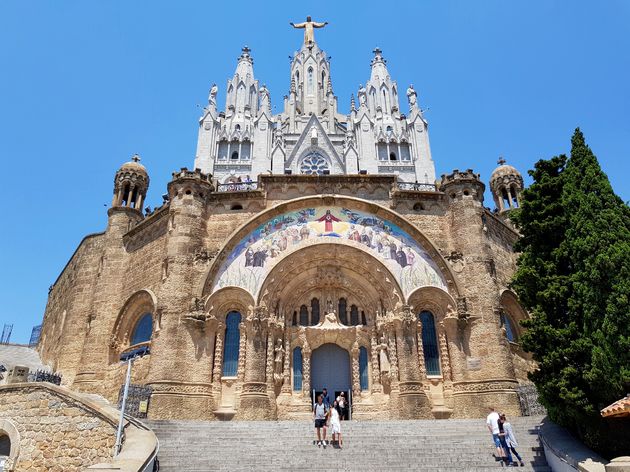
{"x":330,"y":365}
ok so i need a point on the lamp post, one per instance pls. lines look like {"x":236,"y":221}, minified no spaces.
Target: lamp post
{"x":127,"y":357}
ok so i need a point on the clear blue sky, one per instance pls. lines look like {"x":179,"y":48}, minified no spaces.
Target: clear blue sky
{"x":85,"y":84}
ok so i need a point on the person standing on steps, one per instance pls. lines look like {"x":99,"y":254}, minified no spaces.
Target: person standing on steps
{"x":335,"y":424}
{"x":325,"y":398}
{"x":492,"y":422}
{"x":510,"y":439}
{"x":343,"y":405}
{"x":508,"y":456}
{"x":320,"y":414}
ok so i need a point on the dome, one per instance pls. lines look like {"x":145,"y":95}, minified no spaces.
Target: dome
{"x":504,"y":170}
{"x":134,"y":166}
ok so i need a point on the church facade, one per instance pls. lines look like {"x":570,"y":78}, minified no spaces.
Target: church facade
{"x":308,"y":249}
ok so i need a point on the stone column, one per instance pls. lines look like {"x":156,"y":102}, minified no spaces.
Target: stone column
{"x":422,"y":367}
{"x":444,"y":357}
{"x":218,"y":357}
{"x":306,"y":370}
{"x":413,"y":402}
{"x":242,"y":352}
{"x":255,"y":403}
{"x":270,"y":358}
{"x":356,"y":380}
{"x":377,"y":387}
{"x":287,"y":388}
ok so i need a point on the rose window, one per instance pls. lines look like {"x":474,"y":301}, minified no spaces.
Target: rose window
{"x":314,"y":164}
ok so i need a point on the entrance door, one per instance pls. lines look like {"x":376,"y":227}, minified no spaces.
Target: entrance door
{"x":330,"y":369}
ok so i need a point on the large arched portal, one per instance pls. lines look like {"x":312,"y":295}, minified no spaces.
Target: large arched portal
{"x":330,"y":366}
{"x":325,"y":277}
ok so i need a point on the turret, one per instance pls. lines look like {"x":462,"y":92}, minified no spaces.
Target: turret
{"x":130,"y":185}
{"x":506,"y":184}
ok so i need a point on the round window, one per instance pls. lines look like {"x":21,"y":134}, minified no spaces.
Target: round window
{"x":314,"y":163}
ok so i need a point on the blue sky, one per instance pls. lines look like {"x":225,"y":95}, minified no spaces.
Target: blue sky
{"x":85,"y":84}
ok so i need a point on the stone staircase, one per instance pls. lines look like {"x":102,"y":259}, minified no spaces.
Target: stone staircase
{"x":423,"y":445}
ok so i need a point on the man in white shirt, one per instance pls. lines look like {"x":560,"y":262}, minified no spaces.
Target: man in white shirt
{"x":492,"y":421}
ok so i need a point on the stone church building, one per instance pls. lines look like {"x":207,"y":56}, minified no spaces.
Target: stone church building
{"x":307,"y":249}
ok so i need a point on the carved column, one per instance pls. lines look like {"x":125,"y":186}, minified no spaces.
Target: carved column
{"x":413,"y":402}
{"x":242,"y":351}
{"x":270,"y":358}
{"x":422,"y":367}
{"x":218,"y":357}
{"x":255,"y":402}
{"x":306,"y":370}
{"x":286,"y":373}
{"x":393,"y":372}
{"x":376,"y":371}
{"x":356,"y":380}
{"x":446,"y":359}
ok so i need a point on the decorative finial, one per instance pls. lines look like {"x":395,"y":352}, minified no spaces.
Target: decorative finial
{"x":135,"y":158}
{"x":501,"y":161}
{"x":378,"y":56}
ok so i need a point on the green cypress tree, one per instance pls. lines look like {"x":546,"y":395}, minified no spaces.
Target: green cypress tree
{"x":574,"y":278}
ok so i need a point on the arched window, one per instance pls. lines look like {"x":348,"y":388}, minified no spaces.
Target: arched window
{"x":223,"y":149}
{"x":303,"y":315}
{"x":363,"y":319}
{"x":354,"y":315}
{"x":314,"y":311}
{"x":143,"y":329}
{"x":514,"y":197}
{"x":297,"y":369}
{"x":382,"y":151}
{"x":505,"y":197}
{"x":234,"y":155}
{"x":232,"y":341}
{"x":392,"y":156}
{"x":295,"y":319}
{"x":363,"y":368}
{"x":343,"y":314}
{"x":509,"y":330}
{"x":430,"y":344}
{"x":5,"y":445}
{"x":310,"y":81}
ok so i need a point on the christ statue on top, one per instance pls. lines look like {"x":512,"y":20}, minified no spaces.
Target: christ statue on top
{"x":309,"y":33}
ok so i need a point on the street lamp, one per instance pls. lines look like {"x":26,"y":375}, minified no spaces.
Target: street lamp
{"x":127,"y":357}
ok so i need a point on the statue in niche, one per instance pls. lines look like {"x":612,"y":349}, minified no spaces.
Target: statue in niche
{"x":279,"y":350}
{"x":382,"y":355}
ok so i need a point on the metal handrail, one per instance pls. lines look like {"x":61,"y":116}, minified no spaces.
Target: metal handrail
{"x":417,"y":187}
{"x":238,"y":186}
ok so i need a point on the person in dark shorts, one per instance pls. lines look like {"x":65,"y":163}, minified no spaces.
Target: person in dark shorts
{"x":320,"y":415}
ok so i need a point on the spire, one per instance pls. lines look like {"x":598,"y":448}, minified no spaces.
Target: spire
{"x":379,"y":66}
{"x":353,"y":105}
{"x":242,"y":88}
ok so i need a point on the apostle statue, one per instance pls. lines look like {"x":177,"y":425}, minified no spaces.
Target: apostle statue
{"x":383,"y":358}
{"x":412,"y":96}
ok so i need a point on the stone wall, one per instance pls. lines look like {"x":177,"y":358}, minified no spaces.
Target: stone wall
{"x":58,"y":432}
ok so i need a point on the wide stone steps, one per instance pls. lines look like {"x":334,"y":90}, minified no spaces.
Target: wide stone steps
{"x":423,"y":445}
